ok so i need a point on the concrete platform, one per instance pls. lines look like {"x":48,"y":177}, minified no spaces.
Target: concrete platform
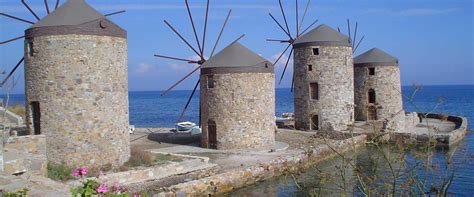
{"x":431,"y":129}
{"x":435,"y":126}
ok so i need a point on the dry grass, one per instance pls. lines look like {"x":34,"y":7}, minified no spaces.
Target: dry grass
{"x":140,"y":157}
{"x":143,"y":158}
{"x":18,"y":110}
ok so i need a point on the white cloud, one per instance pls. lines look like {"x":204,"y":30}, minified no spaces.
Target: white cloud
{"x":144,"y":68}
{"x":427,"y":11}
{"x":413,"y":11}
{"x":180,"y":67}
{"x":282,"y":60}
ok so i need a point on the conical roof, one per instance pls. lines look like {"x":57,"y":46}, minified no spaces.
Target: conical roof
{"x":375,"y":55}
{"x":322,"y":35}
{"x":234,"y":55}
{"x":73,"y":12}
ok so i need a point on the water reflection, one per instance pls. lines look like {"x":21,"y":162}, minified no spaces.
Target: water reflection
{"x":375,"y":170}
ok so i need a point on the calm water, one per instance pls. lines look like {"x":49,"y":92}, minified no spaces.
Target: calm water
{"x":148,"y":109}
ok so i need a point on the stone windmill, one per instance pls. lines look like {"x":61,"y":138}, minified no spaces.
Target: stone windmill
{"x":323,"y":76}
{"x":237,"y":100}
{"x":377,"y":86}
{"x":236,"y":93}
{"x":76,"y":85}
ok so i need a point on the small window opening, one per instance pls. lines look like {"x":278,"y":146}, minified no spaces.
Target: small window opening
{"x":310,"y":67}
{"x":314,"y":88}
{"x":315,"y":51}
{"x":212,"y":134}
{"x":371,"y":71}
{"x":210,"y":81}
{"x":36,"y":115}
{"x":315,"y":122}
{"x":31,"y":50}
{"x":372,"y":98}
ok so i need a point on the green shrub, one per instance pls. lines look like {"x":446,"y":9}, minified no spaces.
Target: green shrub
{"x":18,"y":193}
{"x":59,"y":172}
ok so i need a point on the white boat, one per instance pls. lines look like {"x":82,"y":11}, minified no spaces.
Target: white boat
{"x":285,"y":117}
{"x":283,"y":120}
{"x":184,"y":126}
{"x":188,"y":127}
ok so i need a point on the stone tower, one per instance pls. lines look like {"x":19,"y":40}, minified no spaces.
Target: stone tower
{"x":237,"y":100}
{"x":77,"y":86}
{"x":323,"y":80}
{"x":377,"y":86}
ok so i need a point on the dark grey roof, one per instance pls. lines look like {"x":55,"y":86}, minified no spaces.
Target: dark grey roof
{"x":73,"y":12}
{"x":234,"y":55}
{"x":323,"y":35}
{"x":375,"y":55}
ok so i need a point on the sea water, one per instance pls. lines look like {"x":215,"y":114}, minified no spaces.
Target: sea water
{"x":149,"y":109}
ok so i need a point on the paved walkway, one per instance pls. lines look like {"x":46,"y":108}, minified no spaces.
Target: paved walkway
{"x":37,"y":186}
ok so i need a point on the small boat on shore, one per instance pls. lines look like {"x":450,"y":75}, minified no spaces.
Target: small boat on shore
{"x":285,"y":117}
{"x":285,"y":120}
{"x":187,"y":127}
{"x":184,"y":126}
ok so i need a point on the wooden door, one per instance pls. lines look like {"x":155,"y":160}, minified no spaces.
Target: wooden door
{"x":372,"y":113}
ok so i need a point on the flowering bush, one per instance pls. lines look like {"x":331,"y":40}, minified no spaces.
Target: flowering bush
{"x":93,"y":187}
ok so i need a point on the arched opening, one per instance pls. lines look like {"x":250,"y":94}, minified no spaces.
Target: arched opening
{"x":212,"y":134}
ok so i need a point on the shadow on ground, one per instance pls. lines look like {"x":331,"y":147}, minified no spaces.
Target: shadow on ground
{"x":175,"y":138}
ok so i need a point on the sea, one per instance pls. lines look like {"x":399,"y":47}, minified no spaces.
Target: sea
{"x":150,"y":110}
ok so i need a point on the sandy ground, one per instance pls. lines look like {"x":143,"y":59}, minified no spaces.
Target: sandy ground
{"x":289,"y":142}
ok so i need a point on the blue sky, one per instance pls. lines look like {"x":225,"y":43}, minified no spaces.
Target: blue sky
{"x":433,"y":39}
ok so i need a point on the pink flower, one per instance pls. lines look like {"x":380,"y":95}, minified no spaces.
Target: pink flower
{"x":75,"y":172}
{"x":136,"y":195}
{"x":102,"y":188}
{"x":124,"y":189}
{"x":116,"y":187}
{"x":83,"y":171}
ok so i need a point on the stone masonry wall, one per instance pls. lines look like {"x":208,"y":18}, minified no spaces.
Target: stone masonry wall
{"x":81,"y":83}
{"x":332,"y":70}
{"x":387,"y":86}
{"x":243,"y":107}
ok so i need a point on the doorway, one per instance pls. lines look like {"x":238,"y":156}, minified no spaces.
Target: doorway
{"x":315,"y":122}
{"x":212,"y":134}
{"x":36,"y":115}
{"x":372,"y":113}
